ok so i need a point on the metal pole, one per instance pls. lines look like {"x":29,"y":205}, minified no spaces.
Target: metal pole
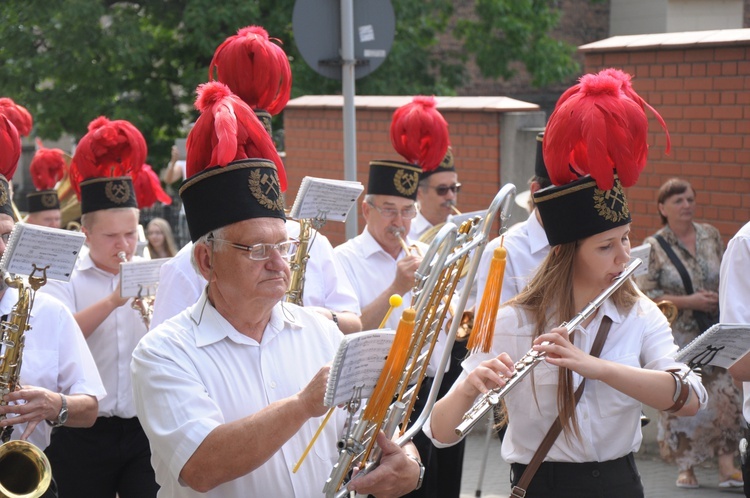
{"x":347,"y":87}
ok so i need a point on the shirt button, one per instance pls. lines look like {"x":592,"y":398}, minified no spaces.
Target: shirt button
{"x":273,"y":385}
{"x":595,"y":473}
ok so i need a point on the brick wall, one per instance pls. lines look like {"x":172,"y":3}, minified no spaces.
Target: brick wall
{"x":702,"y":90}
{"x":314,"y":143}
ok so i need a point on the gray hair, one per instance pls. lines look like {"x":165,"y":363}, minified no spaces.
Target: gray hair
{"x":208,"y":240}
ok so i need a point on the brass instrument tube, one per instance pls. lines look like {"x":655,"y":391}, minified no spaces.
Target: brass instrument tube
{"x":533,"y":358}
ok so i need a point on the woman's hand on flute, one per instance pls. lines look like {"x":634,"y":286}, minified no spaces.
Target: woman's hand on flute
{"x":490,"y":374}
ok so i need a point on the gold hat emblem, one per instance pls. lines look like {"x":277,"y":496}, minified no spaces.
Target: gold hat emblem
{"x":265,"y":188}
{"x":406,"y":182}
{"x":611,"y":204}
{"x":117,"y":191}
{"x":48,"y":200}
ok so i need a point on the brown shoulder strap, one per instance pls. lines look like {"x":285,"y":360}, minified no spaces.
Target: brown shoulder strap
{"x":519,"y":491}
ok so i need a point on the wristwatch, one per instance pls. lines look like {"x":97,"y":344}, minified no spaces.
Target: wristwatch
{"x":62,"y":417}
{"x":421,"y":471}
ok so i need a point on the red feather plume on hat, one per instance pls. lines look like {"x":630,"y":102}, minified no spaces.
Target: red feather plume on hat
{"x":47,"y":167}
{"x":18,"y":115}
{"x":148,"y":188}
{"x":254,"y":68}
{"x":597,"y":128}
{"x":227,"y":130}
{"x":109,"y":149}
{"x":10,"y":145}
{"x":419,"y":133}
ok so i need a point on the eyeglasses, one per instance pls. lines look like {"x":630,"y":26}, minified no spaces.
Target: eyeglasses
{"x":262,"y":252}
{"x":442,"y":190}
{"x":390,"y":213}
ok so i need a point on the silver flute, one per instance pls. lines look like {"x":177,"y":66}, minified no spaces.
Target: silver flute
{"x":533,"y":358}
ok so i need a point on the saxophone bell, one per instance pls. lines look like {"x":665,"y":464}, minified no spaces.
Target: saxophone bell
{"x":24,"y":468}
{"x":25,"y":471}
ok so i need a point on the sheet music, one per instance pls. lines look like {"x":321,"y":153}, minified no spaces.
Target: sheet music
{"x":358,"y":362}
{"x":721,"y":345}
{"x":140,"y":276}
{"x":325,"y":198}
{"x":31,"y":245}
{"x":643,"y":252}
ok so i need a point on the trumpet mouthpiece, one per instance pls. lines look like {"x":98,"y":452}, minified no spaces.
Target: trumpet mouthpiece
{"x":122,"y":256}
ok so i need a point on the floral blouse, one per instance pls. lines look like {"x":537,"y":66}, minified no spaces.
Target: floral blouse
{"x":703,"y":268}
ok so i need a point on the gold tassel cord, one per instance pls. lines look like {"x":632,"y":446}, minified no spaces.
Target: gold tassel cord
{"x":484,"y":323}
{"x":382,"y":395}
{"x":394,"y":301}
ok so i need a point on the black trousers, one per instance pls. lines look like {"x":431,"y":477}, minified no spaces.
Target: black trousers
{"x":424,"y":445}
{"x":612,"y":479}
{"x":111,"y":458}
{"x":448,"y":462}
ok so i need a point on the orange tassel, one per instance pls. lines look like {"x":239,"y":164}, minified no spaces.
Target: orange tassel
{"x":385,"y":388}
{"x":484,"y":322}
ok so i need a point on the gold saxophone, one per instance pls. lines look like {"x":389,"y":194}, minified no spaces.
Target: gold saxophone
{"x":298,"y":264}
{"x":438,"y":275}
{"x":144,"y":305}
{"x":24,"y":469}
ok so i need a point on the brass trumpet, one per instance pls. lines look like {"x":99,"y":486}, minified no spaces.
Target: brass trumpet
{"x":669,"y":309}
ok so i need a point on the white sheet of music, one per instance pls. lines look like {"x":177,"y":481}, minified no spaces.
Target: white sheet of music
{"x":643,"y":252}
{"x":140,"y":276}
{"x":53,"y":248}
{"x":358,"y":363}
{"x":325,"y":198}
{"x":721,"y":345}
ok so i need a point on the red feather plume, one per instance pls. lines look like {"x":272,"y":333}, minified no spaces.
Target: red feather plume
{"x":18,"y":115}
{"x":148,"y":188}
{"x":47,"y":167}
{"x":10,"y":145}
{"x":109,"y":149}
{"x":419,"y":133}
{"x":227,"y":130}
{"x":596,"y":129}
{"x":254,"y":68}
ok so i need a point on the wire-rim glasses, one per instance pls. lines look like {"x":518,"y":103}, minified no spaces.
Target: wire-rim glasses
{"x":390,"y":213}
{"x":263,"y":251}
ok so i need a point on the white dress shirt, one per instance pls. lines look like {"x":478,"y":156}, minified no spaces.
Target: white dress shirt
{"x":419,"y":225}
{"x":527,"y":246}
{"x":734,"y":291}
{"x":609,"y":421}
{"x":371,"y":270}
{"x":55,"y":356}
{"x":112,"y":342}
{"x":326,"y":284}
{"x":195,"y":372}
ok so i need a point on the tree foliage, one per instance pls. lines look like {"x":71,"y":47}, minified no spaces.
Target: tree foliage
{"x":141,"y":60}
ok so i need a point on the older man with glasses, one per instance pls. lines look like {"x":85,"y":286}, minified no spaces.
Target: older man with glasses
{"x":436,"y":196}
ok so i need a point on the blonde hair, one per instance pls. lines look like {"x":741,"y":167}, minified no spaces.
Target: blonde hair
{"x":169,"y":244}
{"x":548,"y":298}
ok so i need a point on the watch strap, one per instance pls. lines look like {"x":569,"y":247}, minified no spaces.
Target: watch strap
{"x":421,"y":471}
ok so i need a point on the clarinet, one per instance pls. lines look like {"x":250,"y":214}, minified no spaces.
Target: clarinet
{"x":531,"y":359}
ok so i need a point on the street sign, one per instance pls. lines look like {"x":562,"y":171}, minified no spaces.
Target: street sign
{"x":317,"y":32}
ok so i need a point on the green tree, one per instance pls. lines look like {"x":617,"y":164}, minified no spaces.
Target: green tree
{"x":141,"y":60}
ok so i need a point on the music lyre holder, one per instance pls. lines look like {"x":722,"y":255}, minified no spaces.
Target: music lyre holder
{"x":702,"y":359}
